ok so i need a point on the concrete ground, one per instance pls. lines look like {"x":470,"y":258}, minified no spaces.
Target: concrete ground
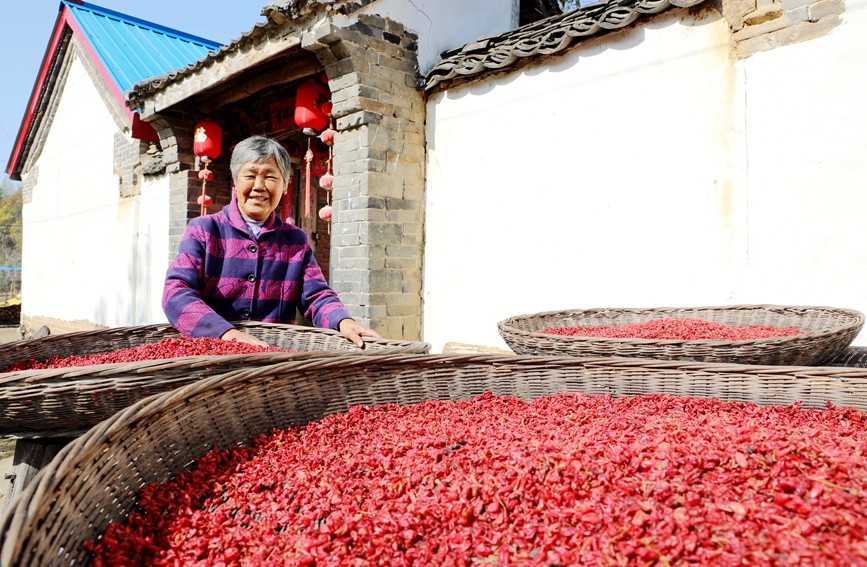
{"x":8,"y":334}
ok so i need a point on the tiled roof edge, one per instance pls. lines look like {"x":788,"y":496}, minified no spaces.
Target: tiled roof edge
{"x":545,"y":37}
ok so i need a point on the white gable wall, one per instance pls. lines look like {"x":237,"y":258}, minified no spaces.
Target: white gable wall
{"x":648,"y":168}
{"x":89,"y":257}
{"x":446,"y":24}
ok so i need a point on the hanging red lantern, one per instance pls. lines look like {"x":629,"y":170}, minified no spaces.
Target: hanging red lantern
{"x":327,"y":107}
{"x":326,"y":181}
{"x":207,"y":140}
{"x":308,"y":106}
{"x":325,"y":212}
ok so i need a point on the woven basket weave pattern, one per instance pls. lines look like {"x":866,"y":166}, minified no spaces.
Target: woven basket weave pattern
{"x":67,"y":401}
{"x":828,"y":332}
{"x":92,"y":480}
{"x":852,"y":356}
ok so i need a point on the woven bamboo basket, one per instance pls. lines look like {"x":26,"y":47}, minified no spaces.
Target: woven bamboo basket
{"x":829,"y":331}
{"x":92,"y":481}
{"x":851,"y":356}
{"x":67,"y":401}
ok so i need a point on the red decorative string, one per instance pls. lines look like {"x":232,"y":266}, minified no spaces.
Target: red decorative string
{"x":288,"y":199}
{"x":308,"y":157}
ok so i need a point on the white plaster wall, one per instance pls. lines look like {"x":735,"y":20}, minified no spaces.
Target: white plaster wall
{"x":649,"y":168}
{"x":151,"y":249}
{"x":806,"y":129}
{"x":446,"y":24}
{"x":613,"y":177}
{"x":89,"y":256}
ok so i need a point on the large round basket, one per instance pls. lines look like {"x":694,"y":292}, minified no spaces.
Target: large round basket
{"x":93,"y":480}
{"x":827,"y":332}
{"x":66,"y":402}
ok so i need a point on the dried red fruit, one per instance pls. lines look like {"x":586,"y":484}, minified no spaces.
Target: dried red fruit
{"x":164,"y":349}
{"x":563,"y":480}
{"x":677,"y":329}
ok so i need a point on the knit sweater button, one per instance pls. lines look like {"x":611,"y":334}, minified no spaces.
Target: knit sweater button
{"x":252,"y":248}
{"x":251,"y":278}
{"x":245,"y":312}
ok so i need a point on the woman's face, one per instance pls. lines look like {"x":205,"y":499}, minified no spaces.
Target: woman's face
{"x":259,"y":187}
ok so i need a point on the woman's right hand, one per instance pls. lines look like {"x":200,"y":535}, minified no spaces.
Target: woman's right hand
{"x":242,"y":337}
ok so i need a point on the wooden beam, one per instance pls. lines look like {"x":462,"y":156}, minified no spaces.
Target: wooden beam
{"x":292,"y":70}
{"x":217,"y":71}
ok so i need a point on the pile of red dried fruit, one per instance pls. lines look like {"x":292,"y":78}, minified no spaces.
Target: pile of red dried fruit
{"x":564,"y":480}
{"x":166,"y":348}
{"x":677,"y":329}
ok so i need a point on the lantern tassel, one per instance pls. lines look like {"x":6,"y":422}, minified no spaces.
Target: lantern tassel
{"x":330,"y":158}
{"x":308,"y":157}
{"x":204,"y":175}
{"x":291,"y":195}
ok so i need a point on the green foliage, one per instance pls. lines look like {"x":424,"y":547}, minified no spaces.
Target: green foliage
{"x":11,"y":202}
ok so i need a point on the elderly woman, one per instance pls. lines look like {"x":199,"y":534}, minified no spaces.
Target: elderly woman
{"x":244,"y":263}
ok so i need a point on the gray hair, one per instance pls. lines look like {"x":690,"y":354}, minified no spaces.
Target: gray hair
{"x":258,"y":149}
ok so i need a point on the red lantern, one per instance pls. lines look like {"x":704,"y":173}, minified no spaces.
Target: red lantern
{"x":327,"y":136}
{"x":208,"y":140}
{"x":308,"y":106}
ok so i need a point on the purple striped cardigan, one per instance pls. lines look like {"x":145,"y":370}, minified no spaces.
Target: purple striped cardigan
{"x":223,"y":273}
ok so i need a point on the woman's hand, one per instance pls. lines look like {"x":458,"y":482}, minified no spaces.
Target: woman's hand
{"x":353,"y":330}
{"x":242,"y":337}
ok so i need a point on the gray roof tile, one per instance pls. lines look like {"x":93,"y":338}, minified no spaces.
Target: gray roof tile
{"x":545,"y":37}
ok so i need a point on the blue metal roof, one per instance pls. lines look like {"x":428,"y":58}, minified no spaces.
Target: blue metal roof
{"x":132,"y":49}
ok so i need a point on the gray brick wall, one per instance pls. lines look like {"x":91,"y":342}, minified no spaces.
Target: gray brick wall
{"x":376,"y":239}
{"x":762,"y":25}
{"x":127,"y":157}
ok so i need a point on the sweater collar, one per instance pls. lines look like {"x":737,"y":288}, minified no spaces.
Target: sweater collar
{"x":236,"y":219}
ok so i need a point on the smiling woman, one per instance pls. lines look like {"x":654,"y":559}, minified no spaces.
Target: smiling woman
{"x":245,"y":264}
{"x":259,"y":185}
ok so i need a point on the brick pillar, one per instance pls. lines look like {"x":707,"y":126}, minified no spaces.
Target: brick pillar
{"x":379,"y":167}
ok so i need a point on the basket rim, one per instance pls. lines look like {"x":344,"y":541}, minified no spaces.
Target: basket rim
{"x":114,"y":369}
{"x":192,"y":361}
{"x":157,"y":327}
{"x":505,"y":325}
